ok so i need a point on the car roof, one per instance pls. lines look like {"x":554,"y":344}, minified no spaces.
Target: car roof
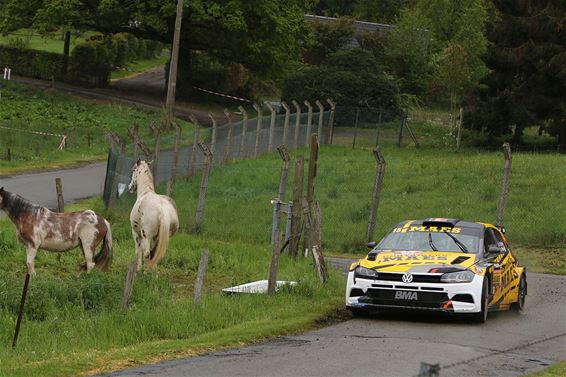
{"x":441,"y":221}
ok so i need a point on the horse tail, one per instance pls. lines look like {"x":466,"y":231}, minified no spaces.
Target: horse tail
{"x":158,"y":251}
{"x":103,"y":259}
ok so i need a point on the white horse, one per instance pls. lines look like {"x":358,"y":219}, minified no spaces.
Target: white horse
{"x":153,"y":218}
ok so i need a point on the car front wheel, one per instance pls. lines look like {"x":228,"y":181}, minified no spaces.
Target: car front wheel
{"x":481,"y":317}
{"x":520,"y":304}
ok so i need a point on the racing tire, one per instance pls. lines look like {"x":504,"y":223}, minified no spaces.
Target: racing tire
{"x":520,"y":304}
{"x":481,"y":317}
{"x":359,"y":313}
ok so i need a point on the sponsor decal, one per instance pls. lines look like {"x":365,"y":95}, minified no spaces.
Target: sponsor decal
{"x":405,"y":295}
{"x":417,"y":228}
{"x":401,"y":257}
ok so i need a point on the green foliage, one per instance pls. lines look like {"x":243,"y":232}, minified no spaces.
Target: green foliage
{"x":382,"y":11}
{"x":329,"y":37}
{"x":351,"y":78}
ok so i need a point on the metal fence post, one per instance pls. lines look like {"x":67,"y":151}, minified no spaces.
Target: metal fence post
{"x":200,"y":277}
{"x":378,"y":182}
{"x":296,"y":209}
{"x":286,"y":122}
{"x":330,"y":134}
{"x":196,"y":138}
{"x":21,"y":310}
{"x":309,"y":121}
{"x":173,"y":176}
{"x":258,"y":128}
{"x":401,"y":126}
{"x":157,"y":133}
{"x":228,"y":145}
{"x":356,"y":128}
{"x":271,"y":126}
{"x":208,"y":158}
{"x":320,"y":119}
{"x":459,"y":135}
{"x":213,"y":136}
{"x":297,"y":123}
{"x":505,"y":183}
{"x":242,"y":150}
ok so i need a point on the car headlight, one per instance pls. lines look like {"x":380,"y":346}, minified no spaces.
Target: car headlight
{"x":368,"y":273}
{"x":458,"y":277}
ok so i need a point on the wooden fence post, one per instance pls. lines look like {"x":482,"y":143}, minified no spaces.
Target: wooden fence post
{"x":296,"y":210}
{"x":228,"y":145}
{"x":21,"y":310}
{"x":129,"y":284}
{"x":274,"y":266}
{"x":377,"y":184}
{"x":330,"y":134}
{"x":208,"y":158}
{"x":505,"y":183}
{"x":196,"y":137}
{"x":8,"y":155}
{"x":134,"y":135}
{"x":401,"y":126}
{"x":60,"y":200}
{"x":271,"y":126}
{"x":157,"y":132}
{"x":242,"y":150}
{"x":173,"y":175}
{"x":297,"y":123}
{"x":356,"y":127}
{"x":258,"y":128}
{"x":285,"y":122}
{"x":309,"y":121}
{"x":313,"y":159}
{"x":214,"y":132}
{"x":320,"y":119}
{"x":459,"y":136}
{"x":200,"y":277}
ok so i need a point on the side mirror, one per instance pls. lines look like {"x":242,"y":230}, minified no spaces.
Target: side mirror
{"x":371,"y":244}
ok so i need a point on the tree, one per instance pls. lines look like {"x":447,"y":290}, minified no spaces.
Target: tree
{"x":329,"y":37}
{"x":260,"y":35}
{"x":382,"y":11}
{"x":527,"y":59}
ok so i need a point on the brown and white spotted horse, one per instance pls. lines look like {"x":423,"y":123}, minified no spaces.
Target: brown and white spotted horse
{"x":39,"y":228}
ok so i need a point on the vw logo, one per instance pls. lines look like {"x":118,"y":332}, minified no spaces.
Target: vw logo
{"x":407,"y":278}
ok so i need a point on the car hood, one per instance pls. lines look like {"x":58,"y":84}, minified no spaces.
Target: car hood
{"x":416,"y":261}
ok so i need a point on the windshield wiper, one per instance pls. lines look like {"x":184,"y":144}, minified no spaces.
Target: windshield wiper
{"x":456,"y":241}
{"x":430,"y":242}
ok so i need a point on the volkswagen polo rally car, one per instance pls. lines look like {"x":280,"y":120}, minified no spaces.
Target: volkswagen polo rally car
{"x":438,"y":264}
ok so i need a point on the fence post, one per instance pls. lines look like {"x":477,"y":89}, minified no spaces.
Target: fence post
{"x":242,"y":150}
{"x":208,"y":158}
{"x":214,"y":131}
{"x":330,"y":134}
{"x":272,"y":281}
{"x":129,"y":284}
{"x":200,"y":277}
{"x":173,"y":175}
{"x":286,"y":122}
{"x":196,"y":137}
{"x":297,"y":123}
{"x":21,"y":311}
{"x":133,"y":133}
{"x":157,"y":132}
{"x":8,"y":155}
{"x":459,"y":136}
{"x":401,"y":126}
{"x":377,"y":184}
{"x":258,"y":128}
{"x":313,"y":159}
{"x":505,"y":184}
{"x":309,"y":121}
{"x":59,"y":191}
{"x":320,"y":120}
{"x":228,"y":145}
{"x":271,"y":126}
{"x":296,"y":209}
{"x":118,"y":144}
{"x":356,"y":127}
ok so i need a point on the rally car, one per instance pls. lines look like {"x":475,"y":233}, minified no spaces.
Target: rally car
{"x":438,"y":264}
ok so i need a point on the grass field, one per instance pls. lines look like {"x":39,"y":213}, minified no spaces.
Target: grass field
{"x":84,"y":122}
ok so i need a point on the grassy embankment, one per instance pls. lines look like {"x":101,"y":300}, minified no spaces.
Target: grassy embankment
{"x":27,"y":108}
{"x":74,"y":324}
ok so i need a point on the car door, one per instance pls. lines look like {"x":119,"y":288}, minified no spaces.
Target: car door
{"x":503,"y":269}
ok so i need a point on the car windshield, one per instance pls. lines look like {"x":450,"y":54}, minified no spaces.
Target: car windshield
{"x":432,"y":239}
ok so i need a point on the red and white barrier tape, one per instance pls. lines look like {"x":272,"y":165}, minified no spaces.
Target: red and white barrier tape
{"x":63,"y":137}
{"x":222,"y":95}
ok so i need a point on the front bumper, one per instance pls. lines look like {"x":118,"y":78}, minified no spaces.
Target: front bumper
{"x":365,"y":293}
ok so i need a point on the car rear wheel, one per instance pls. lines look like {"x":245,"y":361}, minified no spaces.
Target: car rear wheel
{"x":520,"y":304}
{"x":481,"y":317}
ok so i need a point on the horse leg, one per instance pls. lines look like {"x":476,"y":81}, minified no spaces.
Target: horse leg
{"x":31,"y":252}
{"x":138,"y":247}
{"x":88,"y":253}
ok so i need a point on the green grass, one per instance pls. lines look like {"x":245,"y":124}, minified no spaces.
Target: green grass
{"x":74,"y":323}
{"x":26,"y":108}
{"x":138,"y":67}
{"x":49,"y":43}
{"x":557,"y":370}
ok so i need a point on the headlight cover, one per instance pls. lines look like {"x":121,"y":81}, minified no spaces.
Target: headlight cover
{"x":367,"y":273}
{"x":465,"y":276}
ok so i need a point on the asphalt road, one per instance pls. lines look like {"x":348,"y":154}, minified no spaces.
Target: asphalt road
{"x":393,"y":344}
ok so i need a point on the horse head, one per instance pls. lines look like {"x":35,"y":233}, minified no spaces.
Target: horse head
{"x":140,"y":168}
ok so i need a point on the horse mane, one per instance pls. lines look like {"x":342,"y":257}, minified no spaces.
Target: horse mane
{"x":15,"y":205}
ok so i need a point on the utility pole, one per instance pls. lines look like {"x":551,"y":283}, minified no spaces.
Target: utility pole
{"x":172,"y":79}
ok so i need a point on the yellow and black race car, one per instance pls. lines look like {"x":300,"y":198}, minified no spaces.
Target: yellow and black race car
{"x":438,"y":264}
